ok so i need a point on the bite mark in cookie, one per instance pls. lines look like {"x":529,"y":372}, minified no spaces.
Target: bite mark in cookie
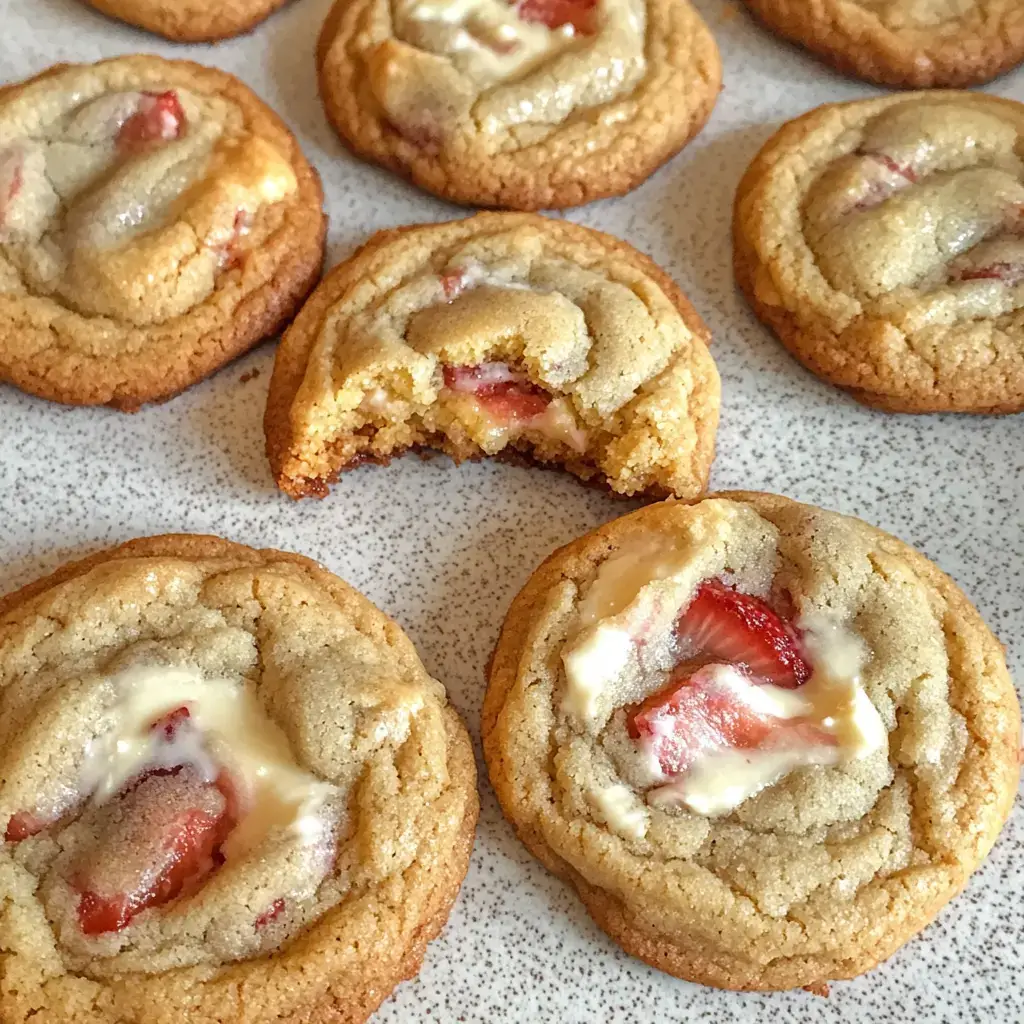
{"x":501,"y":333}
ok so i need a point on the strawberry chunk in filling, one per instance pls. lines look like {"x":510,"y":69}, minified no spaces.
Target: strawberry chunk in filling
{"x":159,"y":118}
{"x":555,"y":14}
{"x":507,"y":395}
{"x":713,"y":711}
{"x":22,"y":826}
{"x":743,"y":630}
{"x":162,"y":839}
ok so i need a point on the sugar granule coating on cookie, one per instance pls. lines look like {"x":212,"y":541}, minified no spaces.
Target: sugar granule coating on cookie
{"x":881,"y":241}
{"x":502,"y":334}
{"x":527,"y":105}
{"x":229,"y":791}
{"x":190,"y":21}
{"x":764,"y":742}
{"x":918,"y":44}
{"x":156,"y":221}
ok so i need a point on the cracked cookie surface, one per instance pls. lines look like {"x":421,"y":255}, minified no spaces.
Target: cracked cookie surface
{"x":835,"y":753}
{"x":230,"y":792}
{"x":912,"y":43}
{"x":882,"y":241}
{"x":504,"y":333}
{"x":156,"y":220}
{"x":190,"y":21}
{"x":532,"y":105}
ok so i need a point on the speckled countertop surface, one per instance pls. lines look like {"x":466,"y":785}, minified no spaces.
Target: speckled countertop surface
{"x":443,"y":550}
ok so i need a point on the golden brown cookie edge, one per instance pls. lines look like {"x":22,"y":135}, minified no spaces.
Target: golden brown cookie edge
{"x":1001,"y":754}
{"x":261,"y":314}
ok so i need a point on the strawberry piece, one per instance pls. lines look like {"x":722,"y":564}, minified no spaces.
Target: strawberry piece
{"x":709,"y":713}
{"x":170,"y":723}
{"x":163,"y":839}
{"x":743,"y":630}
{"x":159,"y":118}
{"x":272,"y":913}
{"x":581,"y":14}
{"x":23,"y":825}
{"x":453,"y":282}
{"x":508,"y":396}
{"x":897,"y":168}
{"x":1009,"y":273}
{"x":231,"y":255}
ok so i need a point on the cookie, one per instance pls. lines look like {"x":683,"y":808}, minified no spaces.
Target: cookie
{"x":190,"y":21}
{"x":156,"y":221}
{"x":504,"y":334}
{"x":904,"y":43}
{"x":880,"y":240}
{"x":765,"y":743}
{"x":229,"y":791}
{"x":531,"y":105}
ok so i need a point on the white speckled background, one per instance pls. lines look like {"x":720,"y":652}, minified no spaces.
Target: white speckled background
{"x":443,"y":550}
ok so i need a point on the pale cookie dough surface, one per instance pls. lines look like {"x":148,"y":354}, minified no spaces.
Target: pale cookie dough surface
{"x":313,"y":922}
{"x":156,"y":220}
{"x":190,"y":21}
{"x":822,"y":874}
{"x":914,"y":43}
{"x":881,"y":240}
{"x":590,"y":326}
{"x":548,"y":103}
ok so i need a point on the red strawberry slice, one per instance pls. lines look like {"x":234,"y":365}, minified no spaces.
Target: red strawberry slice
{"x":508,"y":396}
{"x":23,"y":825}
{"x":159,"y":118}
{"x":581,"y":14}
{"x":701,"y":714}
{"x":272,"y":913}
{"x":171,"y":723}
{"x":453,"y":282}
{"x":162,"y":839}
{"x":743,"y":630}
{"x":902,"y":170}
{"x":1009,"y":273}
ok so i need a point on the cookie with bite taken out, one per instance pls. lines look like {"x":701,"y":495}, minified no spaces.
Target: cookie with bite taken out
{"x":156,"y":221}
{"x":229,"y":792}
{"x":765,"y":743}
{"x":881,"y":241}
{"x":526,"y":105}
{"x":504,"y":334}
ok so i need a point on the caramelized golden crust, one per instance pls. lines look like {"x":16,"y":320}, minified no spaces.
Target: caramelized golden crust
{"x":636,"y":96}
{"x":615,"y":346}
{"x":878,"y":239}
{"x":826,"y":872}
{"x":78,"y":336}
{"x":190,"y":21}
{"x":917,"y":44}
{"x":399,"y":865}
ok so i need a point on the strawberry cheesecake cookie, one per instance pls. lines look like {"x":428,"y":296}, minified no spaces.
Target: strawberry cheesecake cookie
{"x":526,"y":104}
{"x":764,"y":742}
{"x":504,"y":334}
{"x":883,"y":240}
{"x":916,"y":43}
{"x":156,"y":220}
{"x":229,"y":792}
{"x":190,"y":21}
